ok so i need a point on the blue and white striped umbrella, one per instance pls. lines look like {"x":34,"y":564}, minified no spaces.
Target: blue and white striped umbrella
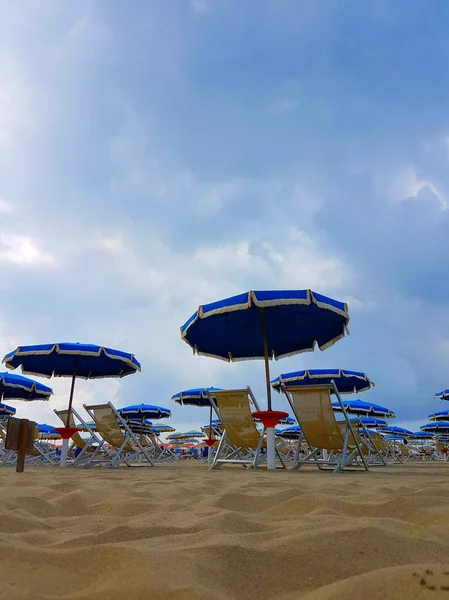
{"x":373,"y":422}
{"x":6,"y":411}
{"x":442,"y":415}
{"x":195,"y":396}
{"x":444,"y":395}
{"x":395,"y":431}
{"x":367,"y":409}
{"x":290,"y":432}
{"x":436,"y":427}
{"x":145,"y":411}
{"x":347,"y":382}
{"x":17,"y":387}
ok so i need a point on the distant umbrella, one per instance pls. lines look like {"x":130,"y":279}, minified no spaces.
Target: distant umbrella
{"x":442,"y":415}
{"x":368,"y":409}
{"x":346,"y":382}
{"x":17,"y":387}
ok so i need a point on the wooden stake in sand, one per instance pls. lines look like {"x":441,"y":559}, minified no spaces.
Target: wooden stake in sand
{"x":20,"y":438}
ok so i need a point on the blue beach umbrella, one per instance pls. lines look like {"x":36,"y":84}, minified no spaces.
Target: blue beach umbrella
{"x":266,"y":325}
{"x":395,"y":431}
{"x":6,"y":411}
{"x":442,"y":415}
{"x":422,"y":435}
{"x":290,"y":432}
{"x":17,"y":387}
{"x":195,"y":396}
{"x":346,"y":382}
{"x":444,"y":395}
{"x":190,"y":434}
{"x":436,"y":427}
{"x":368,"y":409}
{"x":373,"y":422}
{"x":145,"y":411}
{"x":158,"y":429}
{"x":87,"y":361}
{"x":44,"y":428}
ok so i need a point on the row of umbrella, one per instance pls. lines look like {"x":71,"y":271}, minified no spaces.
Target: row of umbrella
{"x":254,"y":325}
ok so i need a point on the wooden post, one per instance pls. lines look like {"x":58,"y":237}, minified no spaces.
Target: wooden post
{"x":20,"y":438}
{"x":22,"y":446}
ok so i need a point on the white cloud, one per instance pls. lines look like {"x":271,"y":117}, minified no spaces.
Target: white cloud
{"x":357,"y":304}
{"x":21,"y":250}
{"x":408,"y":186}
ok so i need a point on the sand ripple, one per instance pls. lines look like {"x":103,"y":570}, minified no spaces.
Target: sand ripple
{"x":183,"y":532}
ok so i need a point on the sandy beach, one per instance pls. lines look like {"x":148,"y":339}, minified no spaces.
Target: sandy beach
{"x":181,"y":531}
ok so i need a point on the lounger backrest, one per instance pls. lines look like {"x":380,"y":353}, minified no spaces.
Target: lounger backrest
{"x":155,"y":443}
{"x":236,"y":418}
{"x":76,"y":438}
{"x":403,"y":448}
{"x":379,"y":442}
{"x":108,"y":427}
{"x":313,"y":410}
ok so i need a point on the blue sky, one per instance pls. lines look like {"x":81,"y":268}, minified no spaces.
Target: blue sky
{"x":164,"y":155}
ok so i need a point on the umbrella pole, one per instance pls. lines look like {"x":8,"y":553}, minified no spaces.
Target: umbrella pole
{"x":271,"y":450}
{"x":210,"y":448}
{"x":65,"y":438}
{"x":72,"y":389}
{"x":265,"y":355}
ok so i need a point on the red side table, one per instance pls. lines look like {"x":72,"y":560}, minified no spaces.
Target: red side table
{"x":65,"y":433}
{"x":269,"y":419}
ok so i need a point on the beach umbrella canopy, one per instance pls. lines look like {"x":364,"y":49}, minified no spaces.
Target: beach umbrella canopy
{"x":422,"y":435}
{"x":67,"y":359}
{"x":394,"y":431}
{"x":174,"y":436}
{"x":190,"y":434}
{"x":6,"y":411}
{"x":266,"y":325}
{"x":145,"y":411}
{"x":17,"y":387}
{"x":368,"y":409}
{"x":373,"y":422}
{"x":44,"y":428}
{"x":347,"y":382}
{"x":195,"y":396}
{"x":442,"y":415}
{"x":444,"y":395}
{"x":87,"y":361}
{"x":290,"y":432}
{"x":157,"y":429}
{"x":436,"y":427}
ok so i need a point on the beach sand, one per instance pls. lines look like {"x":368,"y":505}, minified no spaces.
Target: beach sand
{"x":182,"y":531}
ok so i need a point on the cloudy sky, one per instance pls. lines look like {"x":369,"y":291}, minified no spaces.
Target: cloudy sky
{"x":157,"y":155}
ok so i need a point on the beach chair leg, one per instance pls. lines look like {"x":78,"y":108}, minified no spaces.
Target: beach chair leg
{"x":258,"y":449}
{"x":280,"y":457}
{"x":219,"y":450}
{"x":297,"y":451}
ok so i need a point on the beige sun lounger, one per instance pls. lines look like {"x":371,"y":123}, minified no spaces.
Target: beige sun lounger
{"x":241,"y":442}
{"x":85,"y":446}
{"x":126,"y":444}
{"x":313,"y":410}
